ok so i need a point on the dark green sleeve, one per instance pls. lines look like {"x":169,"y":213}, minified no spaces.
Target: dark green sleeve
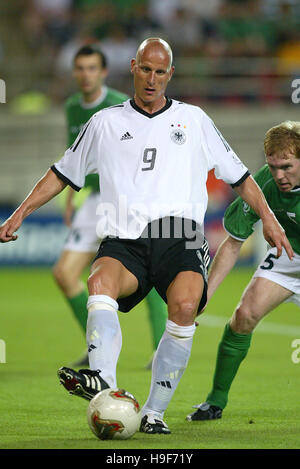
{"x":240,"y":218}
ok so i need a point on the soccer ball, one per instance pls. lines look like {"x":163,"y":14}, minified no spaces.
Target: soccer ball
{"x":114,"y":414}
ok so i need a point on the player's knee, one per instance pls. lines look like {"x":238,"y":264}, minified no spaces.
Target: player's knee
{"x":99,"y":283}
{"x":183,"y":310}
{"x":94,"y":281}
{"x":63,"y":276}
{"x":245,"y":319}
{"x":59,"y":274}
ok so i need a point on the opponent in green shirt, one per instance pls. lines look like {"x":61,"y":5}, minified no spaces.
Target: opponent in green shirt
{"x":90,"y":71}
{"x":277,"y":278}
{"x":240,"y":219}
{"x":78,"y":112}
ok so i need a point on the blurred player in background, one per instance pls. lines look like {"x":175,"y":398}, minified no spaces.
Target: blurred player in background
{"x":276,"y":280}
{"x":90,"y":71}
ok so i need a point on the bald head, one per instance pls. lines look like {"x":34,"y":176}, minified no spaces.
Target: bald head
{"x":152,"y":70}
{"x":152,"y":46}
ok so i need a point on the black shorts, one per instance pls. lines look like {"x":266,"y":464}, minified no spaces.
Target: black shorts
{"x":155,"y":262}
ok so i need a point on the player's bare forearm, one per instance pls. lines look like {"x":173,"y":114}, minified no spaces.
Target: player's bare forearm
{"x":253,"y":195}
{"x":273,"y":231}
{"x":47,"y":188}
{"x":69,"y":210}
{"x":224,"y":260}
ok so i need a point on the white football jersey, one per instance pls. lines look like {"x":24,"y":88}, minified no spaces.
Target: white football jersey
{"x":150,"y":165}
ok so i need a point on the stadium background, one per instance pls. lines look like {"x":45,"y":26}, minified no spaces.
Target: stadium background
{"x":237,"y":59}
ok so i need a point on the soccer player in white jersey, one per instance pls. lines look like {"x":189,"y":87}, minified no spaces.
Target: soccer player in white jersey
{"x":82,"y":243}
{"x":153,"y":155}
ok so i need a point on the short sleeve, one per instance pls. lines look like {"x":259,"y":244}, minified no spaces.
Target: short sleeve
{"x":239,"y":219}
{"x":81,"y":158}
{"x":221,"y":157}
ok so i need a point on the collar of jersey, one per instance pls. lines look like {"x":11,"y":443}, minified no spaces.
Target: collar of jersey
{"x":147,"y":114}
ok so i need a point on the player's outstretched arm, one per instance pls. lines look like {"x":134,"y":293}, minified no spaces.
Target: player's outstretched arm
{"x":273,"y":231}
{"x":224,"y":260}
{"x":47,"y":188}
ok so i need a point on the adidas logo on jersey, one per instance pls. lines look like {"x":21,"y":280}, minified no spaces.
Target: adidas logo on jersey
{"x":126,"y":136}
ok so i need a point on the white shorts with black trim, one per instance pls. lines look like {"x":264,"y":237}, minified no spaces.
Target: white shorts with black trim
{"x":282,"y":271}
{"x":83,"y":236}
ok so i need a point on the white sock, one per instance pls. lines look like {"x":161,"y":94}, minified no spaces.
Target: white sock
{"x":170,"y":361}
{"x":104,"y":336}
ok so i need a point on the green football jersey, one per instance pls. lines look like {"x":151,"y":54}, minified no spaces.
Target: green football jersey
{"x":239,"y":218}
{"x":78,"y":113}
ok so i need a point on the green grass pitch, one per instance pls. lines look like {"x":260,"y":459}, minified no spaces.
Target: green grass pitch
{"x":41,"y":335}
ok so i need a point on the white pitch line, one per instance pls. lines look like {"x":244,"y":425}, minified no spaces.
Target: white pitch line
{"x":210,"y":320}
